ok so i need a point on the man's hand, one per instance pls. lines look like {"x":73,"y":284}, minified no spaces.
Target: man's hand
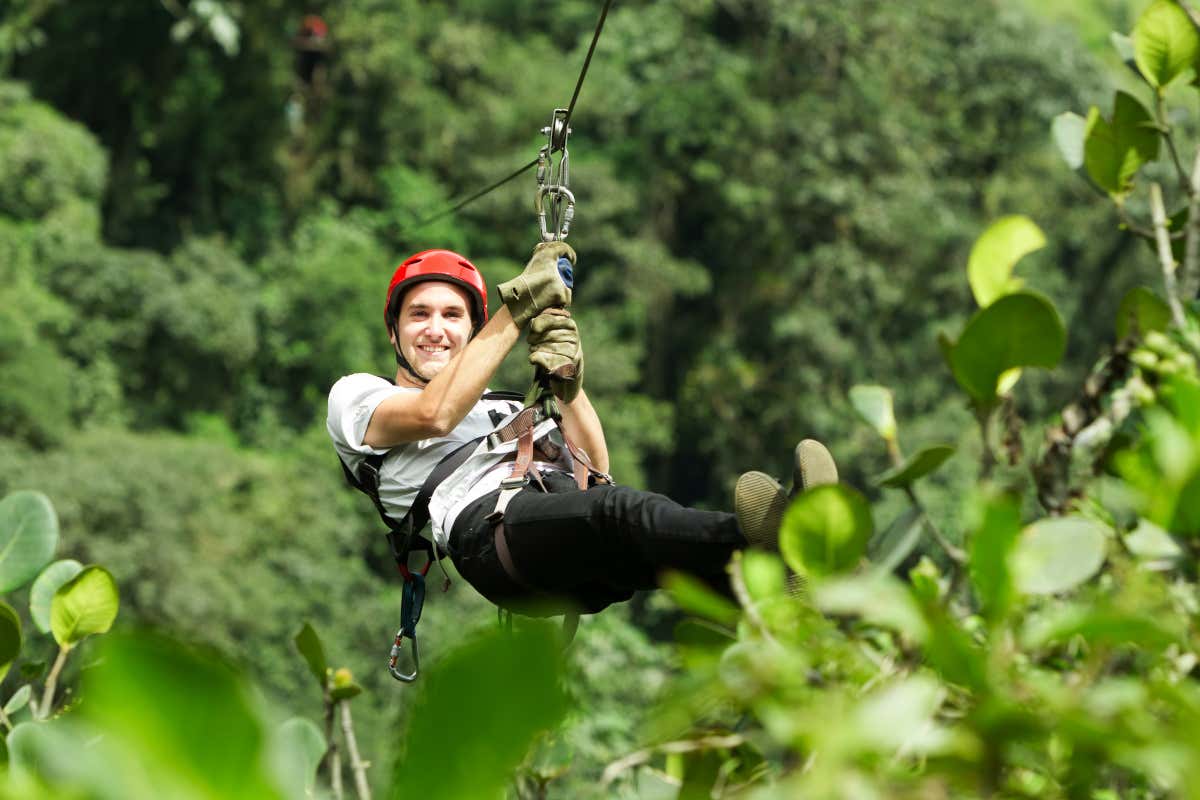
{"x":540,"y":286}
{"x":554,"y":346}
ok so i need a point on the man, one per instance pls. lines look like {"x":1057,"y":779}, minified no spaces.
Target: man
{"x":545,"y":529}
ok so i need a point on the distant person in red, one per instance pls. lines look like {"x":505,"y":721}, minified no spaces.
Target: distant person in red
{"x":312,"y":45}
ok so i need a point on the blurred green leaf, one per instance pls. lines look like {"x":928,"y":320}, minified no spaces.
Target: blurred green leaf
{"x":825,"y":530}
{"x":1114,"y":151}
{"x":41,"y":594}
{"x":19,"y":699}
{"x":28,"y":536}
{"x":502,"y":691}
{"x":990,"y":549}
{"x":1056,"y":554}
{"x":916,"y":466}
{"x":1018,"y":330}
{"x":877,"y":598}
{"x":1142,"y":310}
{"x":874,"y":405}
{"x":85,"y":605}
{"x":10,"y":637}
{"x":179,"y":715}
{"x":693,"y":596}
{"x":996,"y":252}
{"x":889,"y":548}
{"x":1069,"y":130}
{"x":297,"y":747}
{"x":310,"y":647}
{"x":1124,"y":47}
{"x":1153,"y":546}
{"x":899,"y":718}
{"x":1165,"y":42}
{"x":1098,"y":626}
{"x":764,"y":574}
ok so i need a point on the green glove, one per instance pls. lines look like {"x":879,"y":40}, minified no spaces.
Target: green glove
{"x":540,"y":286}
{"x":554,"y":347}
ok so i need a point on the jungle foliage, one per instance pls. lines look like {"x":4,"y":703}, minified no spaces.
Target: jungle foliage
{"x":780,"y":215}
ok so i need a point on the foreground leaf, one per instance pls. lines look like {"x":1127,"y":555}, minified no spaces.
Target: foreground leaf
{"x":916,"y":466}
{"x":995,"y":254}
{"x":825,"y":531}
{"x":1165,"y":42}
{"x":19,"y":700}
{"x":41,"y":594}
{"x":10,"y":637}
{"x":989,"y":553}
{"x":1018,"y":330}
{"x":1114,"y":151}
{"x":296,"y":750}
{"x":85,"y":605}
{"x":1069,"y":130}
{"x":502,"y":691}
{"x":877,"y":598}
{"x":693,"y":596}
{"x":1057,"y":554}
{"x":28,"y":537}
{"x":889,"y":549}
{"x":874,"y":405}
{"x":1142,"y":310}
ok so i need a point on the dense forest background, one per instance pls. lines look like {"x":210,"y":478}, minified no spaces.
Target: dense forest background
{"x":776,"y":199}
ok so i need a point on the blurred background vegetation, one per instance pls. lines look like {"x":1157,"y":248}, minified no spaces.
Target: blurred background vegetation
{"x":775,"y":201}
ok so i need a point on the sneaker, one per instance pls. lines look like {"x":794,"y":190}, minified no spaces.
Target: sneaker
{"x":759,"y":502}
{"x":814,"y":466}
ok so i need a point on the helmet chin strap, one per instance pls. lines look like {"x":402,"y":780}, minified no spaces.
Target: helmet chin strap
{"x":402,"y":362}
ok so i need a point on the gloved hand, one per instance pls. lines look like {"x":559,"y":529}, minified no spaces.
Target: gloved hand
{"x":554,"y":346}
{"x":541,"y":285}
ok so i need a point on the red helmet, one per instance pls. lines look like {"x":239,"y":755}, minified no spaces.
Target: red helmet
{"x":437,"y":265}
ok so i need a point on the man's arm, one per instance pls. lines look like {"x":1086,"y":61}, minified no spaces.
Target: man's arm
{"x":444,"y":402}
{"x":582,"y":424}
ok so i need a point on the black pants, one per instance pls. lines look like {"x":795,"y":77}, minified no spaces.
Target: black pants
{"x":588,"y":548}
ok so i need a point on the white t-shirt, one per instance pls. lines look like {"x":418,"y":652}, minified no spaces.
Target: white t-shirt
{"x":352,"y":401}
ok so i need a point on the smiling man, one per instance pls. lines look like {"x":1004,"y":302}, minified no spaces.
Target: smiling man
{"x":521,"y":501}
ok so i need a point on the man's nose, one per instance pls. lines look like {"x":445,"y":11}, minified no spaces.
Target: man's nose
{"x":435,"y":326}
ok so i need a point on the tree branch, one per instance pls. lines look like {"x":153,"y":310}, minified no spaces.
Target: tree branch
{"x":1165,"y":129}
{"x":1190,"y":282}
{"x":357,"y":765}
{"x":52,"y":681}
{"x":1165,"y":257}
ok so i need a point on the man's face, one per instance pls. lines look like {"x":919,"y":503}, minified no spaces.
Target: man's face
{"x":434,"y":324}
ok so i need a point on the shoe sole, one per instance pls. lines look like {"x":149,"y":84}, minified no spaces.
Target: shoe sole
{"x":759,"y":502}
{"x":814,"y":466}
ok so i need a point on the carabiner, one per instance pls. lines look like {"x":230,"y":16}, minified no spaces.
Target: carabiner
{"x":560,"y":194}
{"x":411,"y":603}
{"x":395,"y":656}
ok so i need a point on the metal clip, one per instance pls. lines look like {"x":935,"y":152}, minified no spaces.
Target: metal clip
{"x":554,"y":180}
{"x":406,"y":677}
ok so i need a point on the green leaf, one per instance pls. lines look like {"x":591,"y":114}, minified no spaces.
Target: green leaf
{"x":1057,"y":554}
{"x":989,"y":555}
{"x":888,"y":549}
{"x":1165,"y":42}
{"x":310,"y":647}
{"x":296,"y":750}
{"x":763,"y":573}
{"x":10,"y":637}
{"x":45,"y":585}
{"x":1153,"y":547}
{"x":19,"y":700}
{"x":1124,"y":47}
{"x":503,"y":690}
{"x":177,"y":714}
{"x":1114,"y":151}
{"x":85,"y":605}
{"x":996,"y":253}
{"x":874,"y":405}
{"x":1069,"y":130}
{"x":693,"y":596}
{"x":916,"y":466}
{"x":899,"y":718}
{"x":825,"y":531}
{"x":1142,"y":310}
{"x":877,"y":598}
{"x":1018,"y":330}
{"x":1097,"y":626}
{"x":28,"y":536}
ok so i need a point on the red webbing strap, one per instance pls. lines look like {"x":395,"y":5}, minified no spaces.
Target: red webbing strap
{"x":582,"y":465}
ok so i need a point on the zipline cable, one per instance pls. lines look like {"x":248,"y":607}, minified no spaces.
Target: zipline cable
{"x":570,"y":110}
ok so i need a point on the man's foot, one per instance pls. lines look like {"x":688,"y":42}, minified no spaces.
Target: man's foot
{"x":759,"y":502}
{"x":814,"y":466}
